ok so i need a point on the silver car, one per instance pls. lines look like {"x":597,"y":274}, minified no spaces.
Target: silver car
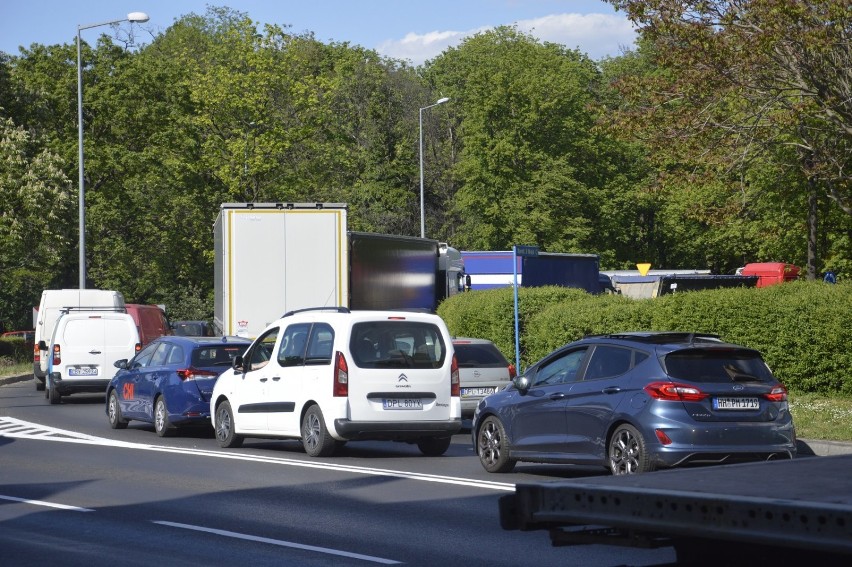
{"x":483,"y":370}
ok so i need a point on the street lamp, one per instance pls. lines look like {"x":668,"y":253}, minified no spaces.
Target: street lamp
{"x":139,"y":17}
{"x":422,"y":212}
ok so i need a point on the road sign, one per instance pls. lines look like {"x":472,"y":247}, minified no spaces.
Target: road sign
{"x":525,"y":250}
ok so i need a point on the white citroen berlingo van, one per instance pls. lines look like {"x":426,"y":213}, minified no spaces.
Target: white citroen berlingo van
{"x":84,"y":348}
{"x":330,"y":375}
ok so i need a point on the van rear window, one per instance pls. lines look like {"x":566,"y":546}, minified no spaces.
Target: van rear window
{"x":397,"y":344}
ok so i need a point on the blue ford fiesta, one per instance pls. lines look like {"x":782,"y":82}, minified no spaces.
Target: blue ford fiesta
{"x":635,"y":402}
{"x":169,"y":382}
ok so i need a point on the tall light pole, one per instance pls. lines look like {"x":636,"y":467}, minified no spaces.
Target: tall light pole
{"x":139,"y":17}
{"x":422,"y":211}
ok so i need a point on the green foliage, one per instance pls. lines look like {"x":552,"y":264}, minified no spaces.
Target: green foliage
{"x":800,"y":327}
{"x":13,"y":350}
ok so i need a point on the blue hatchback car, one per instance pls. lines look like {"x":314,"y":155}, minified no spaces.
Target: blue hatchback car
{"x":169,"y":382}
{"x":635,"y":402}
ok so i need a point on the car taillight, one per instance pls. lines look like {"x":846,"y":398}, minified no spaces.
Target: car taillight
{"x":777,"y":394}
{"x":512,"y":372}
{"x":57,"y":354}
{"x":662,"y":437}
{"x":341,"y":376}
{"x":138,"y":347}
{"x":454,"y":377}
{"x":36,"y":353}
{"x":673,"y":391}
{"x":186,"y":374}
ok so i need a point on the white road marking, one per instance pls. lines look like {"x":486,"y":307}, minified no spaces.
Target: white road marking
{"x":279,"y":542}
{"x":15,"y":428}
{"x":43,"y":503}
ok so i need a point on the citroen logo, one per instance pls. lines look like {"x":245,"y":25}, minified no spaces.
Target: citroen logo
{"x":402,"y":378}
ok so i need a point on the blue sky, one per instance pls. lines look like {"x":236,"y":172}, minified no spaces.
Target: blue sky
{"x":403,"y":29}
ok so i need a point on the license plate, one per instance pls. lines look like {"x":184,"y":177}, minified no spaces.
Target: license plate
{"x":736,"y":403}
{"x":86,"y":371}
{"x":467,"y":392}
{"x":402,"y":404}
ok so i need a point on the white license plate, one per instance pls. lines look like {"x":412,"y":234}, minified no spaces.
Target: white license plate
{"x":86,"y":371}
{"x":736,"y":403}
{"x":402,"y":404}
{"x":466,"y":392}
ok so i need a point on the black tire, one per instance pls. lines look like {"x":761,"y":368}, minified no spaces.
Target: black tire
{"x":162,"y":426}
{"x":492,"y":445}
{"x":114,"y":412}
{"x":39,"y":384}
{"x":53,"y":394}
{"x":225,"y":433}
{"x":434,"y":446}
{"x":627,"y":452}
{"x":316,"y":439}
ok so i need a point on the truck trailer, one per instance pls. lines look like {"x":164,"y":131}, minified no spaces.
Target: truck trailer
{"x":490,"y":269}
{"x":271,"y":258}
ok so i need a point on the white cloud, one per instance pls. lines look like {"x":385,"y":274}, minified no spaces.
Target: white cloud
{"x":598,"y":35}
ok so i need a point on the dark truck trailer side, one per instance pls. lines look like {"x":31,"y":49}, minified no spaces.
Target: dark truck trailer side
{"x":392,"y":272}
{"x":773,"y":513}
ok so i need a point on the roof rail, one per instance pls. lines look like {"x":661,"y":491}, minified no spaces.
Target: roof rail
{"x":336,"y":309}
{"x":106,"y":308}
{"x":660,"y":336}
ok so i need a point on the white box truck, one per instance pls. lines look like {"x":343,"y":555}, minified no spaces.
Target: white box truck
{"x":271,"y":258}
{"x":52,"y":302}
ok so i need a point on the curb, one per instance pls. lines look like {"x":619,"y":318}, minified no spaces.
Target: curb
{"x":12,"y":379}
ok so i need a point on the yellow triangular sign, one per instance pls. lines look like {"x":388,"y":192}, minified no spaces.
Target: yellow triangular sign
{"x":643,"y":268}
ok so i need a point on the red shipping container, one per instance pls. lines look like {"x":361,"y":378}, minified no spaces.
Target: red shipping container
{"x":771,"y":273}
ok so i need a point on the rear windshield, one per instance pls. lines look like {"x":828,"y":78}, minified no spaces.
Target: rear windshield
{"x":397,"y":344}
{"x":717,"y":366}
{"x":478,"y":355}
{"x":217,"y":355}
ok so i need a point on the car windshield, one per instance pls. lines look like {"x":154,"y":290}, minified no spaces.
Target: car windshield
{"x":479,"y":355}
{"x":218,"y":355}
{"x":717,"y":366}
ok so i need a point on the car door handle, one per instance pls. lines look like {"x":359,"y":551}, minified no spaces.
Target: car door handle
{"x":263,"y":379}
{"x":276,"y":378}
{"x":557,"y":396}
{"x":611,"y":390}
{"x":94,"y":351}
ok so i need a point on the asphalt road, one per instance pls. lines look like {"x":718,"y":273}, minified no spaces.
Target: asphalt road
{"x":75,"y":492}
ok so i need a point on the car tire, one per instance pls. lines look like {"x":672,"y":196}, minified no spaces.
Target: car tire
{"x":225,"y":427}
{"x":39,"y":384}
{"x":628,"y":452}
{"x":434,"y":446}
{"x":492,"y":445}
{"x":161,"y":418}
{"x":114,"y":412}
{"x":316,"y":439}
{"x":53,"y":394}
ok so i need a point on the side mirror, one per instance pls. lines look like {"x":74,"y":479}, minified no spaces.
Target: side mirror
{"x":522,"y":384}
{"x":121,"y":364}
{"x":238,"y":364}
{"x":42,"y":345}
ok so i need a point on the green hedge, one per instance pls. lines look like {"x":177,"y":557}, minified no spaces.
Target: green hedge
{"x":16,"y":350}
{"x":802,"y":328}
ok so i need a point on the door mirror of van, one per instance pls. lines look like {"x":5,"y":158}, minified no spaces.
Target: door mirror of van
{"x":238,"y":364}
{"x":121,"y":364}
{"x":522,"y":383}
{"x":42,"y":345}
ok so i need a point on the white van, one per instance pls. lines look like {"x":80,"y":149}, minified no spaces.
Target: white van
{"x":328,"y":376}
{"x":52,"y":302}
{"x":84,"y":348}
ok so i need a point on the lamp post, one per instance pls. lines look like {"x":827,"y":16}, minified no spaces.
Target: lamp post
{"x":139,"y":17}
{"x":422,"y":211}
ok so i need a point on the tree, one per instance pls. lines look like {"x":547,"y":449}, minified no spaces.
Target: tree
{"x":745,"y":77}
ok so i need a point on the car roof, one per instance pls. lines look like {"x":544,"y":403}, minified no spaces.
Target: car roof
{"x":344,"y":314}
{"x":202,"y":341}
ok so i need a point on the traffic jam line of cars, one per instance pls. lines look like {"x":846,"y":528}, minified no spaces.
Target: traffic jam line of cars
{"x":629,"y":402}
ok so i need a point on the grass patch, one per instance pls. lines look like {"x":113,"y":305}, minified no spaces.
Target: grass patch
{"x":820,"y":417}
{"x":15,"y":369}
